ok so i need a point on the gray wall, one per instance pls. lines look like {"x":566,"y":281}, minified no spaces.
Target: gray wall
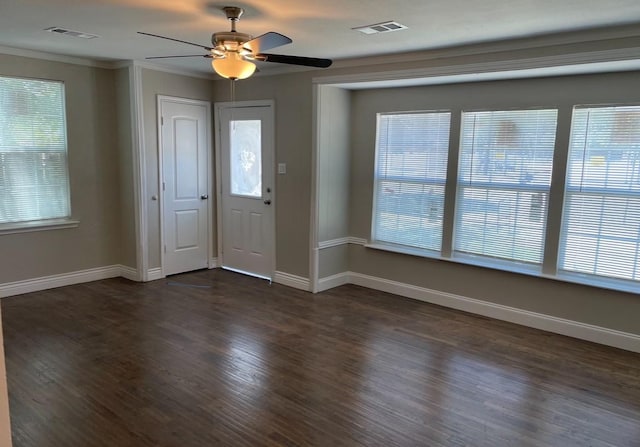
{"x":334,"y":163}
{"x":333,"y":261}
{"x":293,"y":134}
{"x":333,"y":171}
{"x":590,"y":305}
{"x":156,"y":83}
{"x":93,"y":172}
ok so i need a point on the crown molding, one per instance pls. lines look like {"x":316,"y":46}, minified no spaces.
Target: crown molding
{"x":109,"y":65}
{"x":33,"y":54}
{"x":457,"y":70}
{"x":614,"y":38}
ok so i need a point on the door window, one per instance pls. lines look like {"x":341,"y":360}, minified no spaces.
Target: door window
{"x":246,"y":158}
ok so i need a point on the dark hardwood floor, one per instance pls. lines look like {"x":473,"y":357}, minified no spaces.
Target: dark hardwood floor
{"x":213,"y":358}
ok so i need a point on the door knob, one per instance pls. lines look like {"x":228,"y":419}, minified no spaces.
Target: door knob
{"x":267,"y":202}
{"x":204,"y":196}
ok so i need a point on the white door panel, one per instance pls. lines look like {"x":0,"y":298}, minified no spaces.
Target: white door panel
{"x":187,"y":229}
{"x":247,"y":177}
{"x":185,"y":172}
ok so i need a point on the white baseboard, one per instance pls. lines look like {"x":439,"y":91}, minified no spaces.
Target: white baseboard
{"x":357,"y":241}
{"x":583,"y":331}
{"x":333,"y":281}
{"x":65,"y":279}
{"x":213,"y":263}
{"x":297,"y":282}
{"x":129,"y":273}
{"x":154,"y":274}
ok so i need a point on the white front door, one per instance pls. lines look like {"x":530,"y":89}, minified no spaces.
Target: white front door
{"x":185,"y":136}
{"x":245,"y":148}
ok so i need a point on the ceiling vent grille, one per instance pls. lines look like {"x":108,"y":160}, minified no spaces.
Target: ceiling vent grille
{"x":384,"y":27}
{"x":70,"y":33}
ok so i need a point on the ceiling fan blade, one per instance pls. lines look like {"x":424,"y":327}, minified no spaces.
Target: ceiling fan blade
{"x":177,"y":40}
{"x":183,"y":55}
{"x":267,"y":41}
{"x":295,"y":60}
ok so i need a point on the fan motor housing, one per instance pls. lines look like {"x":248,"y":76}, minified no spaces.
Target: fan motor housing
{"x":223,"y":38}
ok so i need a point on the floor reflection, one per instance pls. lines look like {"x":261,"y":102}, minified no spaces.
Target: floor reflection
{"x":235,"y":362}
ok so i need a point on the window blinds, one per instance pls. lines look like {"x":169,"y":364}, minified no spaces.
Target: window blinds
{"x":601,"y":214}
{"x":33,"y":151}
{"x":503,"y":183}
{"x":410,"y":173}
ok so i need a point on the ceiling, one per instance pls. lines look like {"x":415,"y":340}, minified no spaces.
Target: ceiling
{"x":318,"y":29}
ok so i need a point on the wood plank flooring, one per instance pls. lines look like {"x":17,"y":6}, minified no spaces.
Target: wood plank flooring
{"x":213,"y":358}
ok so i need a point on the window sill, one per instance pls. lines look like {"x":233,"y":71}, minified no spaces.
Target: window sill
{"x":38,"y":225}
{"x":497,"y":264}
{"x":621,"y":285}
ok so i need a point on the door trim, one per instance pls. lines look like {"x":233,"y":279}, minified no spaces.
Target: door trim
{"x":218,"y":108}
{"x":159,"y":100}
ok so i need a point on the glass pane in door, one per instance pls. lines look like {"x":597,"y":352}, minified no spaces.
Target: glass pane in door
{"x":246,"y":158}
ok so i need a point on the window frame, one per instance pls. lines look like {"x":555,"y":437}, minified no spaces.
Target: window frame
{"x":393,"y":246}
{"x":494,"y":261}
{"x":608,"y":282}
{"x":58,"y":222}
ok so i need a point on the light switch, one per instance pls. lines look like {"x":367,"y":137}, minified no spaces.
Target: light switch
{"x":282,"y":168}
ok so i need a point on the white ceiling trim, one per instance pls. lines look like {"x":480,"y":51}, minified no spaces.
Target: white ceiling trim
{"x":109,"y":65}
{"x":54,"y":57}
{"x":625,"y":39}
{"x":626,"y":59}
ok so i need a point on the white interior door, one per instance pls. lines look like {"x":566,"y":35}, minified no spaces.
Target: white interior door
{"x":185,"y":137}
{"x":245,"y":146}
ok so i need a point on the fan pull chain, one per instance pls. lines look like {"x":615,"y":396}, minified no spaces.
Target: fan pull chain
{"x":233,"y":90}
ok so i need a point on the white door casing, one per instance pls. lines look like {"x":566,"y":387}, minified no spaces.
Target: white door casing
{"x":184,"y":141}
{"x":246,"y":213}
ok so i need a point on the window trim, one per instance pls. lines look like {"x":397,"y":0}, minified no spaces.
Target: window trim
{"x":614,"y":283}
{"x":375,"y":178}
{"x":25,"y":226}
{"x":518,"y":188}
{"x":38,"y":225}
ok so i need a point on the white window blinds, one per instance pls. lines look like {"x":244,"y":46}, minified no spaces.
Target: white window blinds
{"x":503,"y":183}
{"x":33,"y":151}
{"x":410,"y":174}
{"x":601,"y":214}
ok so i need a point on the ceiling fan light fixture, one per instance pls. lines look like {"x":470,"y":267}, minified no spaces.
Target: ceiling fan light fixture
{"x":233,"y":67}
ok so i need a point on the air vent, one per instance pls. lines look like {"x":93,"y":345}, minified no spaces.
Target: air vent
{"x":67,"y":32}
{"x":384,"y":27}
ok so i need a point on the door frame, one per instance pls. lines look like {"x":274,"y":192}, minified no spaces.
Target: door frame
{"x":218,"y":108}
{"x":211,"y":262}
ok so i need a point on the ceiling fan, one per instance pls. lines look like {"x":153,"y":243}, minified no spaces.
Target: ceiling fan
{"x":233,"y":52}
